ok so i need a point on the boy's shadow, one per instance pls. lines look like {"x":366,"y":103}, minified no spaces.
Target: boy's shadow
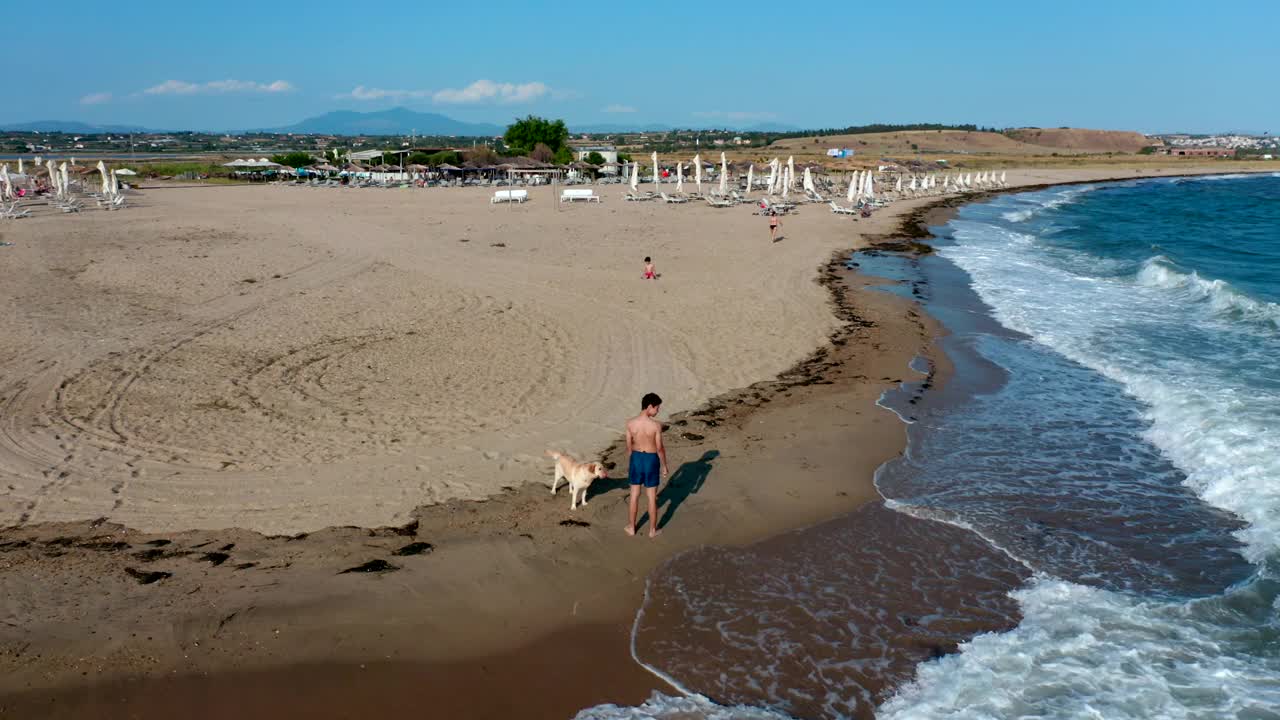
{"x":687,"y":480}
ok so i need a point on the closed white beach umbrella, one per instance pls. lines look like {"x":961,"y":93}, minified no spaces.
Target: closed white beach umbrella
{"x":898,"y":185}
{"x":679,"y":177}
{"x":751,"y":176}
{"x":791,"y":170}
{"x":106,"y":184}
{"x":724,"y":174}
{"x":654,"y":157}
{"x":786,"y":181}
{"x":1002,"y":178}
{"x":773,"y":176}
{"x":115,"y":183}
{"x":697,"y":171}
{"x":853,"y":187}
{"x":6,"y":188}
{"x":968,"y":179}
{"x":871,"y":185}
{"x":912,"y":188}
{"x":635,"y":176}
{"x":808,"y":182}
{"x":64,"y":182}
{"x":20,"y":170}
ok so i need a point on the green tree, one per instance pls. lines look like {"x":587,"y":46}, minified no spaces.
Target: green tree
{"x":624,"y":157}
{"x":293,"y":159}
{"x":442,"y":157}
{"x":595,"y":158}
{"x":524,"y":135}
{"x":563,"y":156}
{"x":418,"y":158}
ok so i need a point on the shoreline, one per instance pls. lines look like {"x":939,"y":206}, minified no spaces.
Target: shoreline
{"x":597,"y":633}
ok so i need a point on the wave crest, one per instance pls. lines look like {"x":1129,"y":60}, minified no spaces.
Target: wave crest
{"x":1221,"y":297}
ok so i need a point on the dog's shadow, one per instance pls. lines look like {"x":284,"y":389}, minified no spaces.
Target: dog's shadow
{"x":602,"y":486}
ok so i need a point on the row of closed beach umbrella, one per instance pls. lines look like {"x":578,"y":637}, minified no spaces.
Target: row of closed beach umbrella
{"x":862,"y":183}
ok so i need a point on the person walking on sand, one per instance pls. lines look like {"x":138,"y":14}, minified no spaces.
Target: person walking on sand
{"x":647,"y":462}
{"x":648,"y":269}
{"x":775,"y":223}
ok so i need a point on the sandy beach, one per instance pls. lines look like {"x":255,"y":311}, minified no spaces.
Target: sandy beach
{"x":219,"y":401}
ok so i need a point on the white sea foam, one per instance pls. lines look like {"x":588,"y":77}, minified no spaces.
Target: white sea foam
{"x":1047,"y":201}
{"x":667,"y":707}
{"x":1083,"y":652}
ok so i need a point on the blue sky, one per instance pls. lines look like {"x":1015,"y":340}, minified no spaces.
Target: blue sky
{"x":1124,"y":64}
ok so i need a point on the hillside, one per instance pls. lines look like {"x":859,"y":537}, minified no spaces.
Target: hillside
{"x":1081,"y":140}
{"x":963,"y":141}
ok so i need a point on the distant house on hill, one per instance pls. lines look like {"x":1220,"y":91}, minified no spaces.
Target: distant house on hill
{"x":1197,"y":151}
{"x":581,"y":149}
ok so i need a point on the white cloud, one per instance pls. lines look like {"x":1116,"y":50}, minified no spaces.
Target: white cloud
{"x":181,"y":87}
{"x":735,"y":115}
{"x":489,"y":91}
{"x":95,"y":98}
{"x":615,"y":108}
{"x":361,"y":92}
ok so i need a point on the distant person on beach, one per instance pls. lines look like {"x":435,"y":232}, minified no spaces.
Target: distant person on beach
{"x":774,"y":224}
{"x":647,"y":461}
{"x":648,"y":269}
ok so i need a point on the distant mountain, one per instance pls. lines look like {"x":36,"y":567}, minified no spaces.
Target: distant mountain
{"x":612,"y":128}
{"x":396,"y":121}
{"x":71,"y":126}
{"x":772,"y":127}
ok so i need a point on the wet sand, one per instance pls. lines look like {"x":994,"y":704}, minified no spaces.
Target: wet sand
{"x":510,"y":591}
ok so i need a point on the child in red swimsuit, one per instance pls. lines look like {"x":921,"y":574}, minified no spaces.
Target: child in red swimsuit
{"x":648,"y":269}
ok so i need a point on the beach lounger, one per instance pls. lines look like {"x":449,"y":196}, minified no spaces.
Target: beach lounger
{"x":837,"y":209}
{"x":576,"y":194}
{"x":670,"y":199}
{"x":717,"y":202}
{"x":515,"y":196}
{"x":11,"y":212}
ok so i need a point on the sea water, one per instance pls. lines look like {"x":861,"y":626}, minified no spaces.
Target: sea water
{"x":1113,"y":427}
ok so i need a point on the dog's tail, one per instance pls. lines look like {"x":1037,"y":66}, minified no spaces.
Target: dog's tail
{"x":554,"y":454}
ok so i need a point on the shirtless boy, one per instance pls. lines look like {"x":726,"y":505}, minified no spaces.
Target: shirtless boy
{"x":648,"y":458}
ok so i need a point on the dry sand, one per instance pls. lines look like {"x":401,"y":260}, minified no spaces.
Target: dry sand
{"x":164,"y":415}
{"x":286,"y":359}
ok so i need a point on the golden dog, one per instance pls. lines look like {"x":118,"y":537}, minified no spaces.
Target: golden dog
{"x":580,"y":475}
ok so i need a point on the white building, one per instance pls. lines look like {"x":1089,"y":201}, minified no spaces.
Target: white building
{"x":582,"y":149}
